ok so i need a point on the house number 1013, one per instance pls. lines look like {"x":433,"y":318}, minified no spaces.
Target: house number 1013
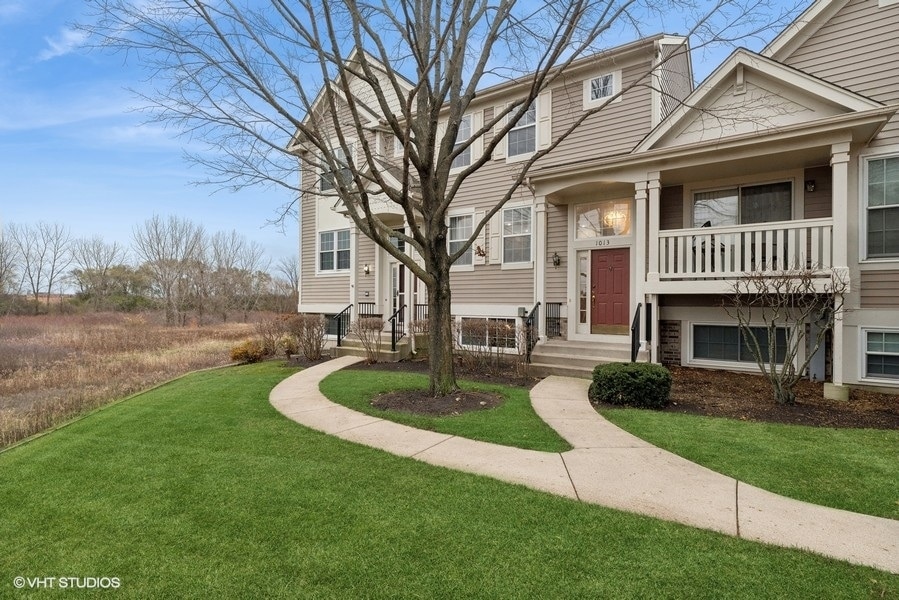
{"x":603,"y":242}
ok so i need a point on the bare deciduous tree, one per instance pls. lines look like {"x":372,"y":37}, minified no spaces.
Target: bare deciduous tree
{"x":775,"y":312}
{"x":94,"y":260}
{"x":168,"y":249}
{"x":45,"y":253}
{"x":288,"y":268}
{"x":330,"y":83}
{"x":9,"y":265}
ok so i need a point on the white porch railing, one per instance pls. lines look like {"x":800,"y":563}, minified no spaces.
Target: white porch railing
{"x":729,"y":252}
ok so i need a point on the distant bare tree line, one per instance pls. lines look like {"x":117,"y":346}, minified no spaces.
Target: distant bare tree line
{"x":172,"y":264}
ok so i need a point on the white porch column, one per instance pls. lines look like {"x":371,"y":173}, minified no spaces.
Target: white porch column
{"x":839,"y":164}
{"x":354,"y":267}
{"x":639,"y":226}
{"x":654,"y":187}
{"x":540,"y":263}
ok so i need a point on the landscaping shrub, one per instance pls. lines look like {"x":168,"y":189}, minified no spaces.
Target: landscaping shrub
{"x":309,"y":331}
{"x":644,"y":385}
{"x":248,"y":352}
{"x":368,"y":330}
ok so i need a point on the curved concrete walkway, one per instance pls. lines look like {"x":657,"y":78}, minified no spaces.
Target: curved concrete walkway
{"x":609,"y":467}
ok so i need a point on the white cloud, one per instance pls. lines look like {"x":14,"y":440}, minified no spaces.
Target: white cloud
{"x":67,"y":41}
{"x":10,"y":9}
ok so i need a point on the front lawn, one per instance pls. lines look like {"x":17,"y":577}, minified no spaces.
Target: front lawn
{"x":200,"y":489}
{"x":514,"y":423}
{"x":852,"y":469}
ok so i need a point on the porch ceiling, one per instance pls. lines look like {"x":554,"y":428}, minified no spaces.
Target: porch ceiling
{"x":592,"y":190}
{"x":746,"y":165}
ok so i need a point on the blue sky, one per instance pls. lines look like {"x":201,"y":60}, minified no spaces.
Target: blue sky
{"x":73,"y":149}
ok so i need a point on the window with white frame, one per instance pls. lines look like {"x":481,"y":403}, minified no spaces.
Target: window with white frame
{"x":607,"y":218}
{"x":463,"y":159}
{"x":882,"y":354}
{"x":488,"y":333}
{"x":602,"y":87}
{"x":882,"y":188}
{"x":334,"y":250}
{"x":460,"y":228}
{"x":729,"y":343}
{"x":517,"y":235}
{"x":743,"y":204}
{"x":522,"y":138}
{"x":327,"y":181}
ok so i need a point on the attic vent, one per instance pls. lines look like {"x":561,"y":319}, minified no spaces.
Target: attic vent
{"x":740,"y":83}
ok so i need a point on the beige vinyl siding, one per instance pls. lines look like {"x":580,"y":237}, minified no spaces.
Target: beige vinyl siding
{"x":317,"y":290}
{"x":489,"y":284}
{"x":671,"y":207}
{"x":616,"y":129}
{"x":674,"y":75}
{"x":879,"y":289}
{"x":365,"y":255}
{"x":857,"y":50}
{"x":819,"y":204}
{"x":556,"y":241}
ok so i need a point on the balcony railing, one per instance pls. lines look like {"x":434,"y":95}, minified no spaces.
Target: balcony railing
{"x":729,"y":252}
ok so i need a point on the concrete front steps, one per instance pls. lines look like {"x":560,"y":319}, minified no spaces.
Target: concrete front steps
{"x":576,"y":358}
{"x":351,"y":345}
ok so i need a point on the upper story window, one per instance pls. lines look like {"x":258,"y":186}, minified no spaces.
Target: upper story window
{"x":744,"y":204}
{"x":603,"y":219}
{"x":522,"y":138}
{"x":882,"y":188}
{"x":460,"y":229}
{"x":327,"y":181}
{"x":517,"y":235}
{"x":334,"y":250}
{"x":599,"y":90}
{"x":464,"y":158}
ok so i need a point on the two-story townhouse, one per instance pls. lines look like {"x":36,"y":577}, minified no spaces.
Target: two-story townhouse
{"x":784,"y":160}
{"x":510,"y":267}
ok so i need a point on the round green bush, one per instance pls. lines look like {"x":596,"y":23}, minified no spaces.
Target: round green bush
{"x":644,"y":385}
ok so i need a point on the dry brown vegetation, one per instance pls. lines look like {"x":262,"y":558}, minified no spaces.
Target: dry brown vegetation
{"x":55,"y":367}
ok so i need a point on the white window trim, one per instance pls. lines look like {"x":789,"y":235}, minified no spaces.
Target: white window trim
{"x":471,"y":148}
{"x":863,"y":207}
{"x":335,"y":272}
{"x":501,"y":349}
{"x":506,"y":266}
{"x":797,"y":201}
{"x":461,"y":213}
{"x":334,"y":143}
{"x":727,"y":365}
{"x":535,"y":125}
{"x":863,"y":355}
{"x":590,"y":103}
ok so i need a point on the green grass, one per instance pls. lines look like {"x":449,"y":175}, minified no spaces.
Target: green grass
{"x":514,"y":423}
{"x":200,"y":489}
{"x":852,"y":469}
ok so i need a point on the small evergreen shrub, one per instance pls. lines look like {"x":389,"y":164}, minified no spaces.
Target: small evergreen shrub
{"x":644,"y":385}
{"x":248,"y":352}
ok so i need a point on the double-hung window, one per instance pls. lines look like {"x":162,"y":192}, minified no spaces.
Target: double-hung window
{"x":334,"y":250}
{"x":882,"y":354}
{"x":745,"y":204}
{"x":460,"y":228}
{"x":522,"y":137}
{"x":463,"y":159}
{"x":882,"y":187}
{"x":730,"y":343}
{"x":327,"y":182}
{"x":517,"y":234}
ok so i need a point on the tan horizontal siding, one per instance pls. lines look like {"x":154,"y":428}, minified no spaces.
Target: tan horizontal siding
{"x":819,"y":204}
{"x":489,"y":284}
{"x":365,"y":255}
{"x":879,"y":289}
{"x":671,"y":206}
{"x":691,"y":300}
{"x":674,"y":77}
{"x":556,"y":241}
{"x":857,"y":49}
{"x":317,"y":290}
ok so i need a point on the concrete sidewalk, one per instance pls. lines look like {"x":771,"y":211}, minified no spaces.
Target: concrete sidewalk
{"x":609,"y":467}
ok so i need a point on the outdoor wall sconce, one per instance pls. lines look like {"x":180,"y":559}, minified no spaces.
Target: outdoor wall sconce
{"x":557,"y":260}
{"x":366,"y":269}
{"x":810,"y":185}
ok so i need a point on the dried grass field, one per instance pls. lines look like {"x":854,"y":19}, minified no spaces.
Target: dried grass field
{"x":53,"y":367}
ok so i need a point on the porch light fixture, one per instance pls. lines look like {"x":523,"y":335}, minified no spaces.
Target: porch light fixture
{"x":557,"y":260}
{"x":366,"y":269}
{"x":810,"y":185}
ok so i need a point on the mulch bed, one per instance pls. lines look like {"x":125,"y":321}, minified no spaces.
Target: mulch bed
{"x":742,"y":396}
{"x":419,"y":402}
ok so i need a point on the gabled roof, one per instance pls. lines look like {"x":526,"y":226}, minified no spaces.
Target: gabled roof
{"x":802,"y":28}
{"x":740,"y":63}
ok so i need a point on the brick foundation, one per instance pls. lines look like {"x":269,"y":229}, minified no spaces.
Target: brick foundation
{"x":669,"y":342}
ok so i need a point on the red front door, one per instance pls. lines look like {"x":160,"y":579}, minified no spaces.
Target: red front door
{"x":610,"y":291}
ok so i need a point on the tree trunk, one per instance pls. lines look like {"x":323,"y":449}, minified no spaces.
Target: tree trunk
{"x":440,"y":329}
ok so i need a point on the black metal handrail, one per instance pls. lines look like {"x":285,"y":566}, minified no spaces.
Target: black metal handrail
{"x":553,"y":319}
{"x":366,"y":309}
{"x":343,"y":322}
{"x":531,"y":336}
{"x":421,"y":312}
{"x":635,"y":333}
{"x":397,"y":322}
